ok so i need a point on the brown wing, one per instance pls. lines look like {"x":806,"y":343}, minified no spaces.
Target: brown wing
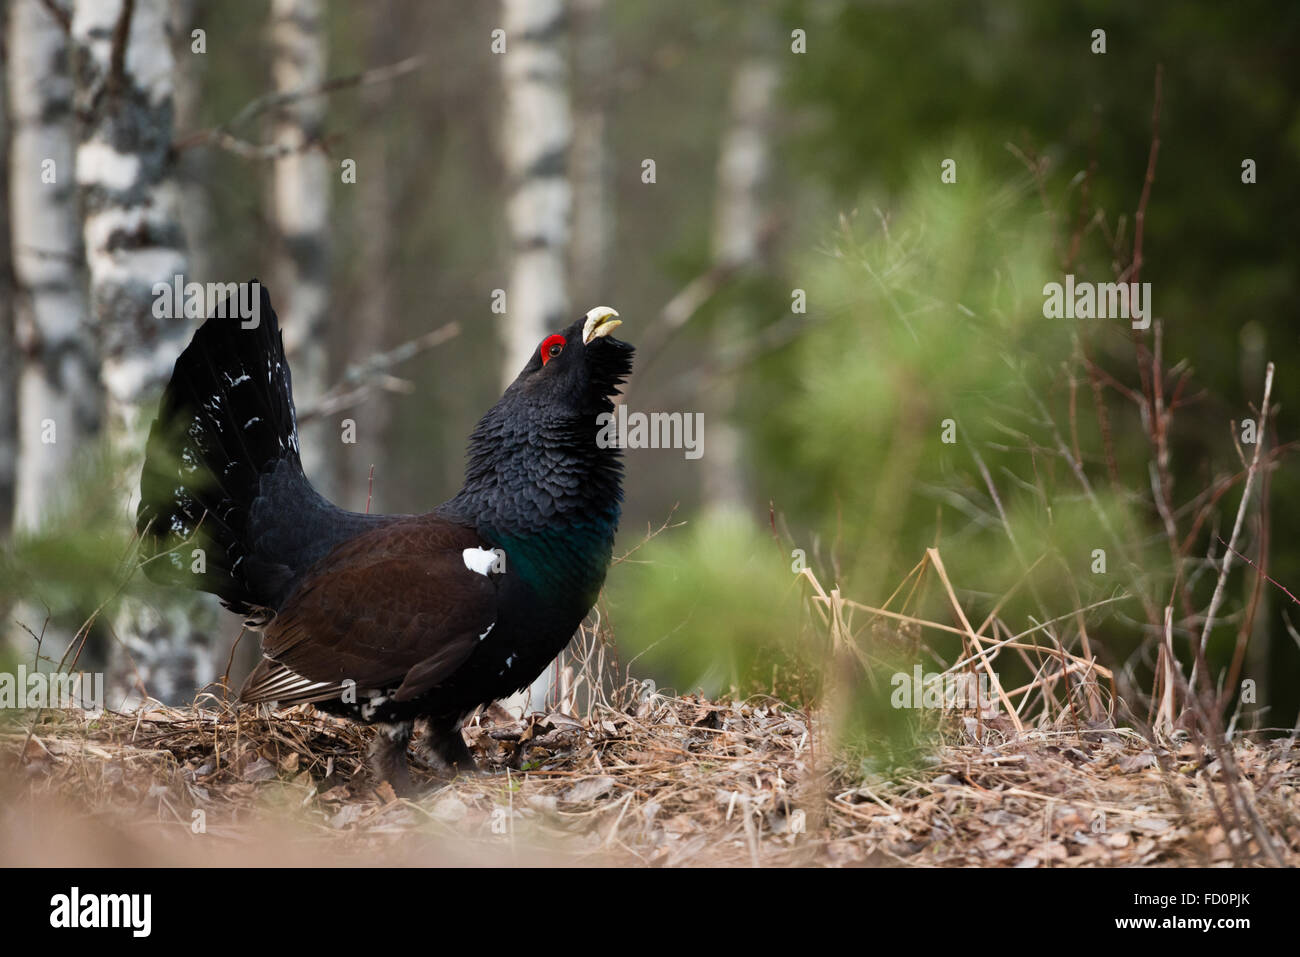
{"x":395,"y":606}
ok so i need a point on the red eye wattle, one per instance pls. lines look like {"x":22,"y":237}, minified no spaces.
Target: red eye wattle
{"x":552,"y":347}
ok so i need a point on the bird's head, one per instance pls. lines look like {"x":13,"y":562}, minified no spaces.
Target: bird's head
{"x":576,"y":370}
{"x":536,"y":453}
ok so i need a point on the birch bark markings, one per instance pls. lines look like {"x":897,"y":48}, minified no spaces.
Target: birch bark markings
{"x":536,"y":133}
{"x":300,"y":194}
{"x":133,"y":239}
{"x":131,"y":211}
{"x":58,"y":396}
{"x":738,"y":221}
{"x":593,"y":219}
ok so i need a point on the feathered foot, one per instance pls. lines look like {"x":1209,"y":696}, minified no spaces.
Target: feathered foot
{"x":442,"y":745}
{"x":387,"y":757}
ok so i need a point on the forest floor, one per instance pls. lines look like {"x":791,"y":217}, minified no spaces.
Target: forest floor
{"x":664,"y":781}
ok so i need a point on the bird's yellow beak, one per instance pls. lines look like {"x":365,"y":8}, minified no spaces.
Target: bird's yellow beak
{"x":601,"y":321}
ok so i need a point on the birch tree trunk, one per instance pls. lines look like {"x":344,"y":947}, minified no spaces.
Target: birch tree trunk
{"x":133,"y":239}
{"x":300,"y":193}
{"x":536,"y":134}
{"x":54,"y":374}
{"x":58,"y":391}
{"x":738,"y":223}
{"x":593,"y":221}
{"x":535,"y":137}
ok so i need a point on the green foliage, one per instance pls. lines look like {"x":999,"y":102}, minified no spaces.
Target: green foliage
{"x":712,"y":606}
{"x":888,"y":89}
{"x":927,"y":402}
{"x":720,"y":607}
{"x":79,"y":561}
{"x":922,"y":323}
{"x":74,"y":561}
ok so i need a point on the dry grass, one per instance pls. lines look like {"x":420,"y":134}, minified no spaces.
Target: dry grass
{"x":662,"y":781}
{"x":1044,"y":774}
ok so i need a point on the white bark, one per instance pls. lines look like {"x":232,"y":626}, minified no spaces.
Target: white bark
{"x":300,"y":194}
{"x":131,"y":225}
{"x":743,"y":164}
{"x":738,"y":222}
{"x":593,"y":220}
{"x":535,"y":137}
{"x":58,"y":380}
{"x":133,"y":239}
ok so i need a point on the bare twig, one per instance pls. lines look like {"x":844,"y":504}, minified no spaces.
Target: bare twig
{"x":690,"y":299}
{"x":360,"y":378}
{"x":223,"y":135}
{"x":1268,"y":578}
{"x":1140,"y":218}
{"x":1217,"y":599}
{"x":61,"y":16}
{"x":117,"y":55}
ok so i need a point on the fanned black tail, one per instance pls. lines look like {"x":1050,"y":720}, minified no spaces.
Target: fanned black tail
{"x":225,"y":430}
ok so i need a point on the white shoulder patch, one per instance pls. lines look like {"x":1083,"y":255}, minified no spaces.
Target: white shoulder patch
{"x":479,"y":560}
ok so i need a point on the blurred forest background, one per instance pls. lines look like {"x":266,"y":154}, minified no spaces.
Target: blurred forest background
{"x":794,"y":264}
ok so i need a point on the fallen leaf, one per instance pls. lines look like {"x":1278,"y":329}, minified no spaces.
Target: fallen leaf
{"x":1153,"y":825}
{"x":259,"y":770}
{"x":589,"y":789}
{"x":1136,"y":762}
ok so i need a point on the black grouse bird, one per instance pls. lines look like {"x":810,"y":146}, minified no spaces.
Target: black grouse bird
{"x":388,"y":619}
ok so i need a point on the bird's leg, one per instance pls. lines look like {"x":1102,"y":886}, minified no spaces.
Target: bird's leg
{"x":441,"y":740}
{"x":387,"y":756}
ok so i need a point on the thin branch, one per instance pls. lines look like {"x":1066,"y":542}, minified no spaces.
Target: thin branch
{"x":360,"y":378}
{"x":691,"y":298}
{"x":222,"y":136}
{"x":117,"y":55}
{"x":1134,"y":270}
{"x":227,"y":141}
{"x":1272,"y":581}
{"x":62,"y":17}
{"x":1217,"y":599}
{"x":1140,"y":219}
